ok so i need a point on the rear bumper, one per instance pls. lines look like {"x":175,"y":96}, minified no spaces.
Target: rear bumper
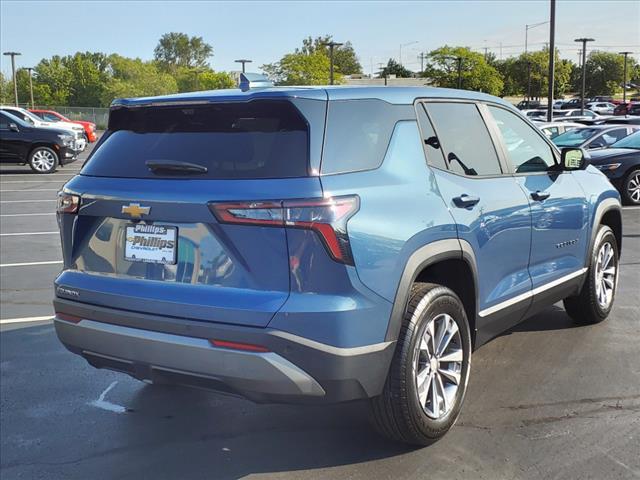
{"x":167,"y":349}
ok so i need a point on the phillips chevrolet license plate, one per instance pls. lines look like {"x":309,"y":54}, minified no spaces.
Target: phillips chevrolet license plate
{"x":151,"y":244}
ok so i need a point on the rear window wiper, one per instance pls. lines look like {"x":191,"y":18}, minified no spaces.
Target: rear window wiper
{"x":174,"y":166}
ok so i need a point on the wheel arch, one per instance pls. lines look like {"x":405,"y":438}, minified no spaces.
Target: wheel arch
{"x":39,"y":144}
{"x":450,"y":263}
{"x":609,"y":213}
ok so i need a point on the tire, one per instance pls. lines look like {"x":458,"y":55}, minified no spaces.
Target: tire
{"x":399,"y":413}
{"x":593,"y":304}
{"x":43,"y":160}
{"x":631,"y":188}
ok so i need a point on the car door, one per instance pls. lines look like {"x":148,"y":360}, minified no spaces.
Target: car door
{"x":490,"y":209}
{"x":559,"y":209}
{"x":10,"y":141}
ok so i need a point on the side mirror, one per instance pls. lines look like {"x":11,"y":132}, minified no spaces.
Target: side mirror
{"x":574,"y":159}
{"x":13,"y":127}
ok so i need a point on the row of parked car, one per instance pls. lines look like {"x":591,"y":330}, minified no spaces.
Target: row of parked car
{"x":43,"y":139}
{"x":602,"y":105}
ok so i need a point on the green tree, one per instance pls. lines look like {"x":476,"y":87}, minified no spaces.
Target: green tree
{"x":301,"y":69}
{"x":179,"y":50}
{"x":394,"y":68}
{"x":345,"y":60}
{"x":604,"y":73}
{"x":88,"y":78}
{"x":56,"y":80}
{"x":477,"y":74}
{"x":135,"y":78}
{"x":195,"y":79}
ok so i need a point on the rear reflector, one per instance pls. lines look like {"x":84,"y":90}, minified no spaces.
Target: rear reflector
{"x":68,"y":318}
{"x":327,"y":217}
{"x":247,"y":347}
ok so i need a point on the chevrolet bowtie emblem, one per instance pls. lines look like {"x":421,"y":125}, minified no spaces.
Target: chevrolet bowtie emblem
{"x":135,"y":210}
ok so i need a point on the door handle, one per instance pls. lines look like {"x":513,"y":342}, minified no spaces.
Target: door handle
{"x":465,"y":201}
{"x":540,"y":196}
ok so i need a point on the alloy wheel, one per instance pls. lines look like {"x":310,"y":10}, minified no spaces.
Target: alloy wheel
{"x":43,"y":160}
{"x":633,"y":187}
{"x":438,"y":366}
{"x":606,"y":277}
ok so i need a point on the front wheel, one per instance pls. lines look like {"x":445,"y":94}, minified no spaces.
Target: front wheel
{"x":43,"y":160}
{"x":631,"y":188}
{"x":595,"y":300}
{"x":428,"y":377}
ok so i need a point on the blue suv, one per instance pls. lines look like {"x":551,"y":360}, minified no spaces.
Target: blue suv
{"x":327,"y":244}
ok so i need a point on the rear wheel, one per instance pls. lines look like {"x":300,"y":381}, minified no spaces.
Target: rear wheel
{"x":631,"y":188}
{"x":43,"y":160}
{"x":595,"y":300}
{"x":427,"y":380}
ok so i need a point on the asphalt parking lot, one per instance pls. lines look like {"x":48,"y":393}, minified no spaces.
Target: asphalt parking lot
{"x":548,"y":399}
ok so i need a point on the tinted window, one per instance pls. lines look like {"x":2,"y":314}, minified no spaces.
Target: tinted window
{"x":464,"y":138}
{"x":526,"y":149}
{"x":632,"y":141}
{"x":612,"y":136}
{"x":551,"y":132}
{"x":258,"y":139}
{"x":358,"y":133}
{"x":575,"y":138}
{"x":4,"y":122}
{"x":50,"y":118}
{"x":430,"y":140}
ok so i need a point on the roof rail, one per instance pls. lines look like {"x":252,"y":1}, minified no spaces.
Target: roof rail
{"x":254,"y":80}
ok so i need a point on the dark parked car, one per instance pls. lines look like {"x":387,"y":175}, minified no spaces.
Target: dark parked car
{"x":595,"y":136}
{"x":629,"y":108}
{"x":43,"y":149}
{"x":528,"y":105}
{"x":571,"y":104}
{"x":621,"y":164}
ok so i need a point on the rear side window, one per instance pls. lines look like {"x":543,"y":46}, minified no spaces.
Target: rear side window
{"x":464,"y":138}
{"x":358,"y":133}
{"x":257,"y":139}
{"x":429,"y":138}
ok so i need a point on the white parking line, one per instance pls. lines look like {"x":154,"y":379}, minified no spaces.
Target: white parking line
{"x":630,"y":208}
{"x":26,"y":201}
{"x":32,"y":174}
{"x":25,"y":214}
{"x":18,"y":234}
{"x":30,"y":264}
{"x":105,"y":404}
{"x":4,"y":321}
{"x":32,"y":190}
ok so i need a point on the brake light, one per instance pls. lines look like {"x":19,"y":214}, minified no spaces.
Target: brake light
{"x":327,"y":217}
{"x":68,"y":203}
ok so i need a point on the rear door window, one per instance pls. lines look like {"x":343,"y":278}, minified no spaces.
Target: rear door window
{"x":248,"y":140}
{"x":464,"y":138}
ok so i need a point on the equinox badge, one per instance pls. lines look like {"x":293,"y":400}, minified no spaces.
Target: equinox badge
{"x":135,"y":210}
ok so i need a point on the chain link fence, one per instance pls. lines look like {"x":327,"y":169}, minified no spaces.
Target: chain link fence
{"x":97,"y":115}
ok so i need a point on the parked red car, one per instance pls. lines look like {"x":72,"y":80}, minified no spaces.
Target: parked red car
{"x":52,"y":116}
{"x":628,"y":108}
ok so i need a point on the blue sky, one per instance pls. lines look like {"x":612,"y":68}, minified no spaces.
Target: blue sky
{"x":264,"y":31}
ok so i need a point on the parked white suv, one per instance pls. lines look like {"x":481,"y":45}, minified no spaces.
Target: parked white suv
{"x":603,"y":108}
{"x":79,"y":144}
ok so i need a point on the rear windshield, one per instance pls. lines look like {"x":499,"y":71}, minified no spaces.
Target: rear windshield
{"x":257,"y":139}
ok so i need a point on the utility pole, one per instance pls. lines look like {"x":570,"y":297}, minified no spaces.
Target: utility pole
{"x":528,"y":80}
{"x":552,"y":58}
{"x":500,"y":50}
{"x":243,"y":61}
{"x":624,"y":77}
{"x":331,"y":46}
{"x":405,"y":45}
{"x":422,"y":56}
{"x":30,"y":69}
{"x":584,"y":41}
{"x":13,"y":71}
{"x":459,"y":67}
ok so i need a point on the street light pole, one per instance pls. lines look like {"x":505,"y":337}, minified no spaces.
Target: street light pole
{"x":243,"y":61}
{"x":13,"y":71}
{"x":331,"y":46}
{"x":584,"y":69}
{"x":30,"y":69}
{"x":624,"y":77}
{"x":552,"y":58}
{"x":526,"y":33}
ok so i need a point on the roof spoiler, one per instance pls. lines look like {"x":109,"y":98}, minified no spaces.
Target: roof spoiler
{"x":254,"y":80}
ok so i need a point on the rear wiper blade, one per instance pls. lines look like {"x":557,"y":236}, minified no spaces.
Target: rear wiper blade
{"x":175,"y":166}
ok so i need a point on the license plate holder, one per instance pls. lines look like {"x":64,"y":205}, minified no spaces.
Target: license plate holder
{"x":151,"y":243}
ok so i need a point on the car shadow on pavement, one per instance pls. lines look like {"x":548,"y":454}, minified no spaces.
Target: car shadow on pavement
{"x":551,"y":318}
{"x":231,"y":437}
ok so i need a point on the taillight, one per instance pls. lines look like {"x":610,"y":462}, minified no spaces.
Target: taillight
{"x":246,"y":347}
{"x":326,"y":216}
{"x":68,"y":203}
